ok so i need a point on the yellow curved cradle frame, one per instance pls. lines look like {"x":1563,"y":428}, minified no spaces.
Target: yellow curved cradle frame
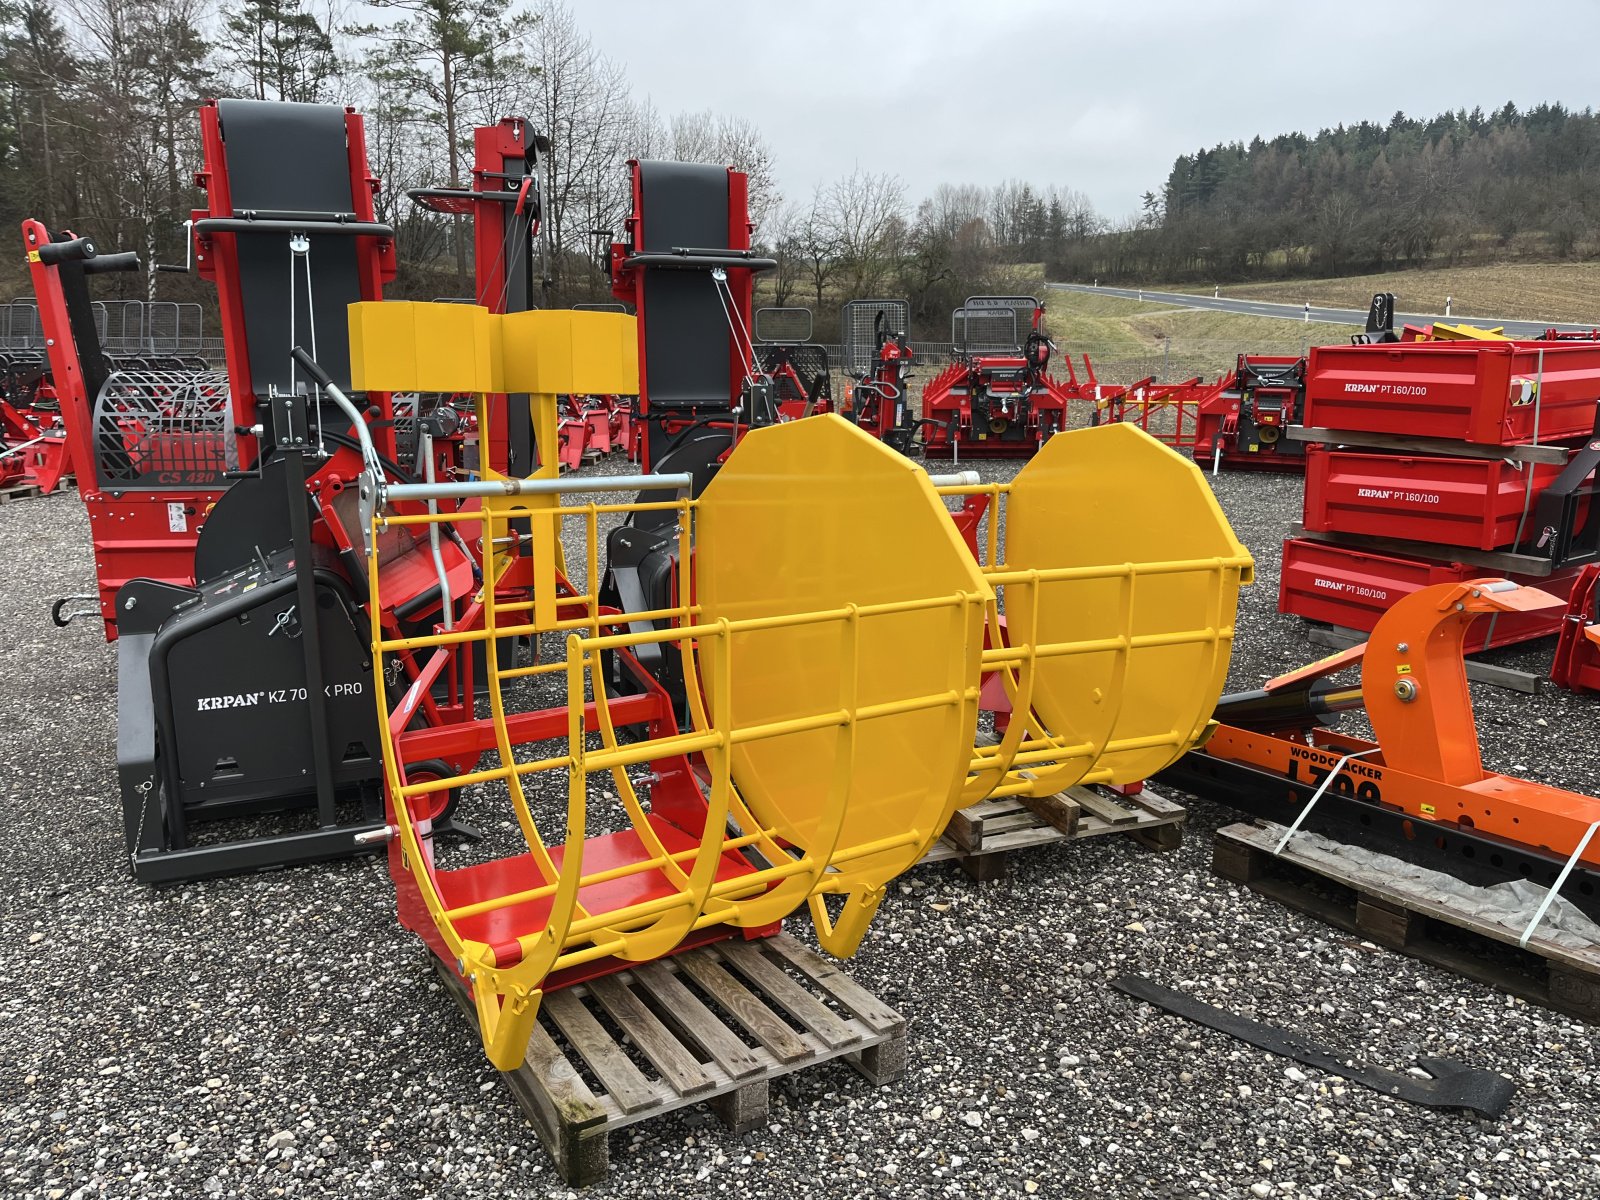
{"x":811,"y":786}
{"x":833,"y":648}
{"x":1119,"y":578}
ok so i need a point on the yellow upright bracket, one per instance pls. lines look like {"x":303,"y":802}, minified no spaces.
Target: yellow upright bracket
{"x":404,"y":346}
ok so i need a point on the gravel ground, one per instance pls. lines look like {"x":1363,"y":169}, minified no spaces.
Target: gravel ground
{"x":280,"y":1035}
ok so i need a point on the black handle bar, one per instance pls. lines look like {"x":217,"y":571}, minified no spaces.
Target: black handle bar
{"x":312,"y":368}
{"x":128,"y":260}
{"x":210,"y":225}
{"x":73,"y":250}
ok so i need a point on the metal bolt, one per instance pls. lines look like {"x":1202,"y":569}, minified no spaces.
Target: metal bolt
{"x":130,"y":603}
{"x":1406,"y":690}
{"x":1402,"y":647}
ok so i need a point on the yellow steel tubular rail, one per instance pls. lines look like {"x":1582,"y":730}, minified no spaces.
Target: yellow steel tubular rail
{"x":1118,"y":581}
{"x":833,"y":850}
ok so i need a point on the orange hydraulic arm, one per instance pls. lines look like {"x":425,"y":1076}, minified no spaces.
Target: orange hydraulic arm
{"x":1425,"y":761}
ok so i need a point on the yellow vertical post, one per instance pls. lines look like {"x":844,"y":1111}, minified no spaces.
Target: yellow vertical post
{"x":546,"y":535}
{"x":545,"y":354}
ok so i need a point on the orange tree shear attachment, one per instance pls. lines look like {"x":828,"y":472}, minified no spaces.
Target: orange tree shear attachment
{"x":1272,"y":755}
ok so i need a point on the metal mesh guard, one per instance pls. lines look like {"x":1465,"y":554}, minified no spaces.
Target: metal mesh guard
{"x":857,"y":330}
{"x":809,"y":361}
{"x":19,"y":326}
{"x":990,"y":324}
{"x":160,"y":429}
{"x":785,"y":326}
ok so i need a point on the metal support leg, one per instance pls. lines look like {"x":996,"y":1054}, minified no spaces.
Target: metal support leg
{"x":310,"y":635}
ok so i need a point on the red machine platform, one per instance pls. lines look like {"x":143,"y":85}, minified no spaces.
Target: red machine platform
{"x":1482,"y":503}
{"x":1353,"y":588}
{"x":1491,"y":393}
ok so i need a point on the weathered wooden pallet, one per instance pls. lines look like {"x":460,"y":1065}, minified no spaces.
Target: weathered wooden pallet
{"x":981,"y":836}
{"x":1401,"y":915}
{"x":1336,"y":637}
{"x":711,"y":1025}
{"x":21,"y":491}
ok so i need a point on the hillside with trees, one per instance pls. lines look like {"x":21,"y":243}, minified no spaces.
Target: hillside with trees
{"x":1455,"y":189}
{"x":98,"y":134}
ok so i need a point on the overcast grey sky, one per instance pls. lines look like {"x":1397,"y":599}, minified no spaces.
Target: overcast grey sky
{"x":1099,"y":97}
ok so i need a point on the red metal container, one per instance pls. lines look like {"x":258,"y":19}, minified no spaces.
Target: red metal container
{"x":1352,"y":589}
{"x":1492,"y":393}
{"x":1476,"y":502}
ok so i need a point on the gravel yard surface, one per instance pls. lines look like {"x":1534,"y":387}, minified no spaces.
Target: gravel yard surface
{"x":281,"y":1035}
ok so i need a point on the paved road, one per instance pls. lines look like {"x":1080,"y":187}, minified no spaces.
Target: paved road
{"x":1296,"y":312}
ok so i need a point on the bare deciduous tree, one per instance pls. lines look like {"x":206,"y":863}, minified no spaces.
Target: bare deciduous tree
{"x":861,"y":210}
{"x":705,"y":137}
{"x":581,"y":103}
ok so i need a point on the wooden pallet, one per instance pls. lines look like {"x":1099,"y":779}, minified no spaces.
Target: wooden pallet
{"x":1336,"y":637}
{"x":981,"y":836}
{"x":22,"y":491}
{"x":1402,"y":915}
{"x":715,"y":1024}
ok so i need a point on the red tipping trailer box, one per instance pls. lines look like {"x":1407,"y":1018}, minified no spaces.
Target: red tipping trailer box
{"x":1353,"y":588}
{"x":1492,"y":393}
{"x":1476,"y":502}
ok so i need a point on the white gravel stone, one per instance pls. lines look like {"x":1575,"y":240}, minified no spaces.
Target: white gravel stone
{"x":300,"y":991}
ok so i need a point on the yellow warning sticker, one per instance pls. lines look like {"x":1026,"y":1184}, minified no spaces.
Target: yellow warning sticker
{"x":1428,"y":810}
{"x":1403,"y":669}
{"x":33,"y":256}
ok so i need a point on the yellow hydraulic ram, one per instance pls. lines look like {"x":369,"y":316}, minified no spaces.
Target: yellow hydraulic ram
{"x":832,"y":669}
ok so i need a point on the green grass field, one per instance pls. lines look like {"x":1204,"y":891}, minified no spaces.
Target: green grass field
{"x":1563,"y":291}
{"x":1130,"y":339}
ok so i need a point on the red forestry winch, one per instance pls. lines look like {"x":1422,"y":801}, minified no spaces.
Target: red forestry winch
{"x":997,"y":398}
{"x":879,"y":359}
{"x":1244,"y":418}
{"x":797,"y":367}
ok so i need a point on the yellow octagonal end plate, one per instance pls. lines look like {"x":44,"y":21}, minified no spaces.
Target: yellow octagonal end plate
{"x":1113,"y":496}
{"x":811,"y":516}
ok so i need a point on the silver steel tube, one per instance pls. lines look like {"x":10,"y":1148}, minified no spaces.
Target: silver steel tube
{"x":369,"y":452}
{"x":447,"y":602}
{"x":956,"y":479}
{"x":535,"y":487}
